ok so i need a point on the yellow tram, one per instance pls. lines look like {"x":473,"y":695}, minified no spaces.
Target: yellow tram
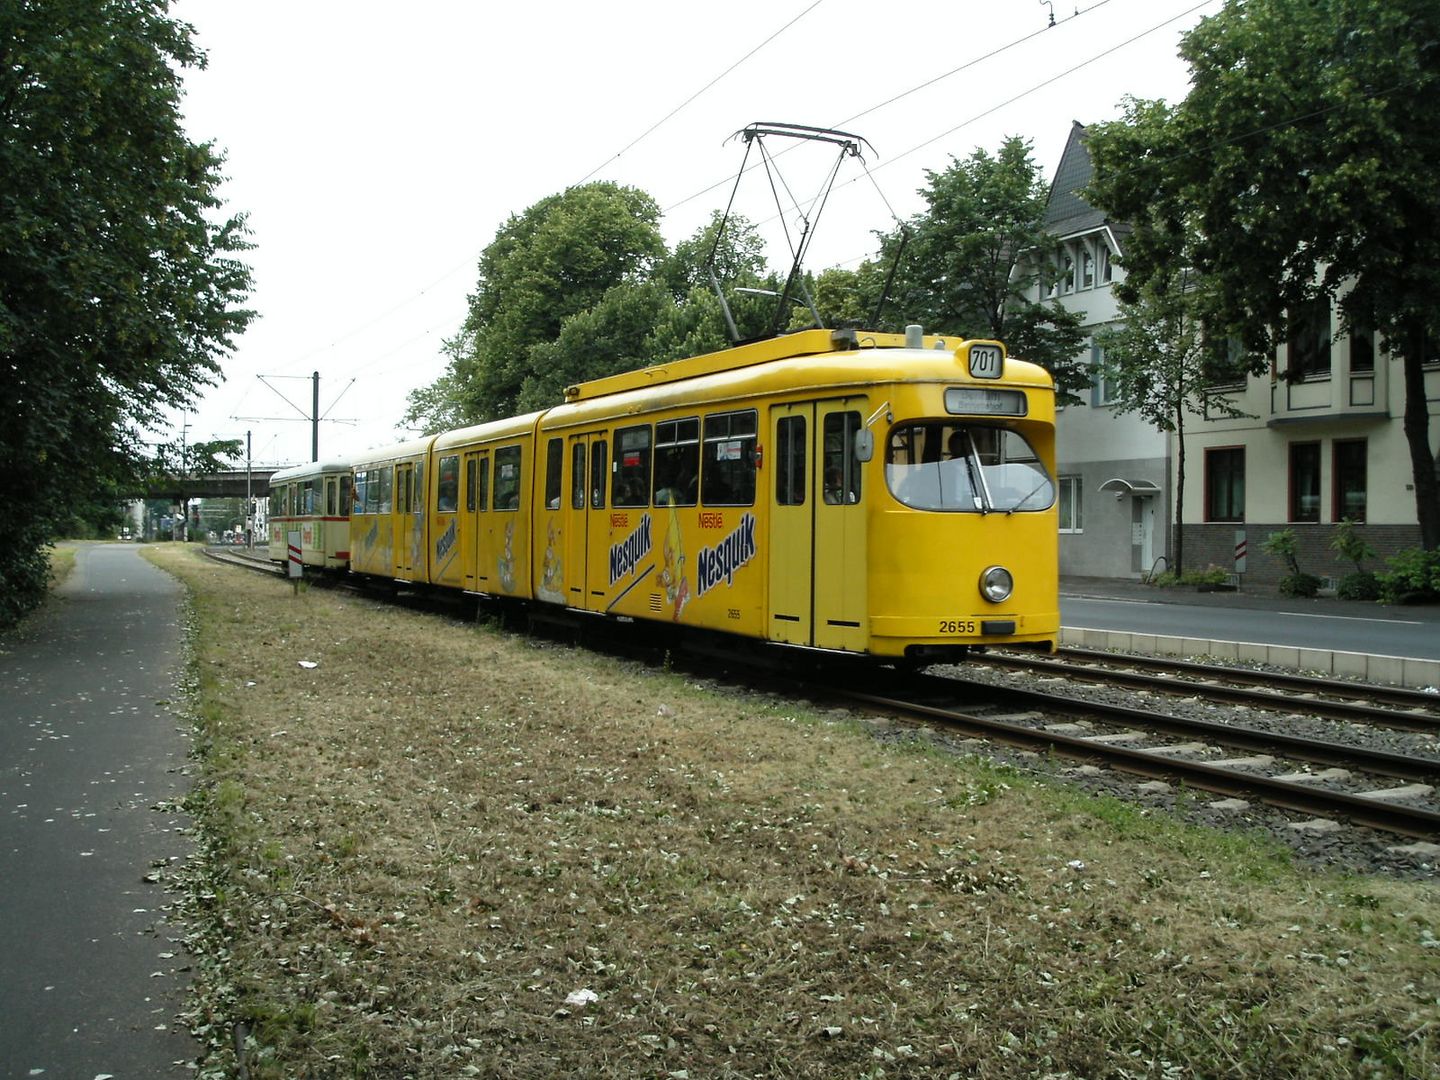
{"x":884,"y":494}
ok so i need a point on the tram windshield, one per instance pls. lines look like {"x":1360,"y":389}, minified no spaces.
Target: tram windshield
{"x":942,"y":465}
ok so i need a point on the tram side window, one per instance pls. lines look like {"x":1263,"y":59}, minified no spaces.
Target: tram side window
{"x":372,"y":493}
{"x":359,"y":505}
{"x":332,"y":497}
{"x":554,"y":472}
{"x":577,"y":476}
{"x":790,"y":461}
{"x":482,"y":482}
{"x":727,"y":476}
{"x":346,"y":497}
{"x":677,"y":462}
{"x":599,"y":452}
{"x":507,"y":478}
{"x":385,"y":490}
{"x":307,"y":498}
{"x":842,"y":471}
{"x":447,"y":492}
{"x":631,"y":485}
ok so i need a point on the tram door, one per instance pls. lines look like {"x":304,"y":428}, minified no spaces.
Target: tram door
{"x":818,"y":582}
{"x":576,"y":501}
{"x":404,"y":522}
{"x":477,"y":494}
{"x":586,"y":550}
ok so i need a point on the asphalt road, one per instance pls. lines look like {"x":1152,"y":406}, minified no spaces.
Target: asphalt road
{"x":1258,"y":616}
{"x":91,"y":974}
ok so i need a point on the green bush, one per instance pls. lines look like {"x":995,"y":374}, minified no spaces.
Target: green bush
{"x":1283,"y":545}
{"x":1349,"y":544}
{"x":1299,"y":585}
{"x":1413,"y":577}
{"x":1211,"y":575}
{"x":1361,"y":585}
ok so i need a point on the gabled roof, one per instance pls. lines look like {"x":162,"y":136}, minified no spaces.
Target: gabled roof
{"x":1066,"y":212}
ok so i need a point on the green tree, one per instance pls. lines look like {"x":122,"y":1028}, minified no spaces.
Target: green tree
{"x":1306,"y":159}
{"x":970,"y":268}
{"x":1160,"y":364}
{"x":602,"y":340}
{"x":120,"y":289}
{"x":556,"y":259}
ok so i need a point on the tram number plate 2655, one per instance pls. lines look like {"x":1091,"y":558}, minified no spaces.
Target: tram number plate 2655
{"x":986,"y":361}
{"x":957,"y":626}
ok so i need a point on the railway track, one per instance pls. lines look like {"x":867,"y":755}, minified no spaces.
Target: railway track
{"x":1386,"y":706}
{"x":1375,"y":788}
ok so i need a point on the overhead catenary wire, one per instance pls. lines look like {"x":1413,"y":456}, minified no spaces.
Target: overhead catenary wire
{"x":678,"y":108}
{"x":360,"y":328}
{"x":888,"y":101}
{"x":973,"y":62}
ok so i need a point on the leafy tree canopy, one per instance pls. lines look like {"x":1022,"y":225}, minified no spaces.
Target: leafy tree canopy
{"x":120,"y":289}
{"x":1305,"y":162}
{"x":553,"y":261}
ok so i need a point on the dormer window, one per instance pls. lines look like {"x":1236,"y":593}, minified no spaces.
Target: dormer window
{"x":1106,"y":266}
{"x":1087,"y":268}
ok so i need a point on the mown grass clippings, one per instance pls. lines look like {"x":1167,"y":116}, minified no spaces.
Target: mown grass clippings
{"x":446,"y":851}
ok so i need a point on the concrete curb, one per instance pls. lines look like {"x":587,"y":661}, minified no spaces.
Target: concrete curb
{"x":1394,"y":670}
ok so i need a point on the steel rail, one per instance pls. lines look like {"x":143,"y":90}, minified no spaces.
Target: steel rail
{"x":1409,"y":821}
{"x":1349,"y":710}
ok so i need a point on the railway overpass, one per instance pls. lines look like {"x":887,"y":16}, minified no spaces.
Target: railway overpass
{"x":225,"y":484}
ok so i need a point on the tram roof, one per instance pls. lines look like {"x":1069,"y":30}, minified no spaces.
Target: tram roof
{"x":309,"y":469}
{"x":785,"y":347}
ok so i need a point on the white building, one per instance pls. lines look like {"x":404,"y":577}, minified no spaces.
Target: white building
{"x":1321,"y":440}
{"x":1114,"y":469}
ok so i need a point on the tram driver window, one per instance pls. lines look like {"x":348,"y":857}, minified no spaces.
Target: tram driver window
{"x":941,"y":465}
{"x":727,"y":472}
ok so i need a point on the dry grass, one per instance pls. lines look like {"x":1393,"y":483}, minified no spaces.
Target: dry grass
{"x":420,"y":848}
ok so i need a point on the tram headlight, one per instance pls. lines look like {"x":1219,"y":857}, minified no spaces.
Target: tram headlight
{"x":996,"y":583}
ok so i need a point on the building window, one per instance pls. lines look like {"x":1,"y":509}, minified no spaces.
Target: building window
{"x":1309,"y":341}
{"x":1350,"y":481}
{"x":1103,"y":390}
{"x":1067,"y":272}
{"x":1107,"y":265}
{"x":1087,"y":268}
{"x":1362,"y":349}
{"x":1225,"y":484}
{"x":1305,"y":481}
{"x":1224,"y":363}
{"x":1070,"y":506}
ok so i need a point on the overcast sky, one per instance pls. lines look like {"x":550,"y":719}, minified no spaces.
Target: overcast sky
{"x":376,"y":148}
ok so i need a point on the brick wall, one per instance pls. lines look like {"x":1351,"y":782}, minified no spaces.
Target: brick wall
{"x":1215,"y":544}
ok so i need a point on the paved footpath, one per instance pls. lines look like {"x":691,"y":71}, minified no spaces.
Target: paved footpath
{"x":91,"y":974}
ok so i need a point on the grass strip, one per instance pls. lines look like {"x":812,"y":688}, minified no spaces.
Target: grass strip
{"x":443,"y":850}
